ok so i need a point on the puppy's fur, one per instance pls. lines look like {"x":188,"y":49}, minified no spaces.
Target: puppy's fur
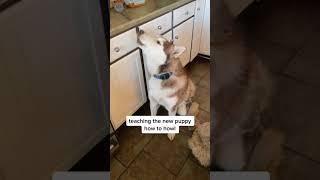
{"x":199,"y":143}
{"x":161,"y":56}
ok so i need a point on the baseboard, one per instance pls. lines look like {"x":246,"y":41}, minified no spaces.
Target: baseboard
{"x":204,"y":56}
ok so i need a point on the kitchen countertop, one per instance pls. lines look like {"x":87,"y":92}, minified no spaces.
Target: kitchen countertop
{"x":131,"y":17}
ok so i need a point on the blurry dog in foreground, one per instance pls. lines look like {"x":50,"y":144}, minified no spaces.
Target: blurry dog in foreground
{"x":242,"y":89}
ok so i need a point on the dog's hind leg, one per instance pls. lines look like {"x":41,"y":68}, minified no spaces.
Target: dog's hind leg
{"x":154,"y":106}
{"x":182,"y":109}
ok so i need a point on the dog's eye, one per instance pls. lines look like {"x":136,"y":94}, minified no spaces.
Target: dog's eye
{"x":158,"y":42}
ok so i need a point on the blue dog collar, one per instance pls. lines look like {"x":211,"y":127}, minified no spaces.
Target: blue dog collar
{"x":163,"y":76}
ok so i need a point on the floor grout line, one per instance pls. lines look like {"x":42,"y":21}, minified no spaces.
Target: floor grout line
{"x":127,"y":167}
{"x":289,"y":60}
{"x":302,"y":82}
{"x":300,"y":154}
{"x":166,"y":167}
{"x":184,"y":163}
{"x":131,"y":162}
{"x":120,"y":162}
{"x":159,"y":163}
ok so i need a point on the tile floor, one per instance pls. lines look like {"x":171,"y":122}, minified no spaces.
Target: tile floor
{"x":142,"y":156}
{"x":286,"y":35}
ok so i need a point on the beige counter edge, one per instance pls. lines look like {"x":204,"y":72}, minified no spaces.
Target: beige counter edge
{"x":133,"y":23}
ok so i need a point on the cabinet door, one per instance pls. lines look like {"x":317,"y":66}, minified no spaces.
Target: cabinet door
{"x":197,"y":27}
{"x":182,"y":36}
{"x":205,"y":35}
{"x":127,"y":89}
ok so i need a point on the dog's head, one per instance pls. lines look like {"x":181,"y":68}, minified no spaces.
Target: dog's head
{"x":158,"y":47}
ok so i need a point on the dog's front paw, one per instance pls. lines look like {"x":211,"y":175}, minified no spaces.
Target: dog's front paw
{"x":171,"y":136}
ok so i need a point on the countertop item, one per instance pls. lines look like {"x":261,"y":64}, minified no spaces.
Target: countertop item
{"x":129,"y":18}
{"x":134,"y":3}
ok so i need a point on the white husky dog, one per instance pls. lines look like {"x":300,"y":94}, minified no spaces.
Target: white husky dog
{"x":169,"y":84}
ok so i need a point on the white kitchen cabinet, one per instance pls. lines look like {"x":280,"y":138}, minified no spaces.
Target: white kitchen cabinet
{"x":182,"y":36}
{"x":205,"y":34}
{"x":197,"y":28}
{"x":127,"y":88}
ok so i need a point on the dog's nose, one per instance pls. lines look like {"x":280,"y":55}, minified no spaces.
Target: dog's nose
{"x":139,"y":31}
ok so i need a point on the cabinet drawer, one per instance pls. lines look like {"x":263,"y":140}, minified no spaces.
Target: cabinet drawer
{"x":158,"y":25}
{"x":122,"y":44}
{"x":183,"y":13}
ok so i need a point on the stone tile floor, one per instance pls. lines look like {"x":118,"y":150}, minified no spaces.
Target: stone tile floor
{"x":142,"y":156}
{"x":285,"y":34}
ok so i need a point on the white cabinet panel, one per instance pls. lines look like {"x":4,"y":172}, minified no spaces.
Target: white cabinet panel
{"x":168,"y":35}
{"x":158,"y":25}
{"x":205,"y":35}
{"x":197,"y":28}
{"x":127,"y":89}
{"x":122,"y":44}
{"x":183,"y":13}
{"x":182,"y":36}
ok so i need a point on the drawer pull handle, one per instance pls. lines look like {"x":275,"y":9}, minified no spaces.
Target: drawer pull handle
{"x":176,"y":37}
{"x":187,"y":13}
{"x":159,"y":27}
{"x":116,"y":49}
{"x":198,"y":9}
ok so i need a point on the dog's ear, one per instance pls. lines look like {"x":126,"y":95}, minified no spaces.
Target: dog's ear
{"x":178,"y":50}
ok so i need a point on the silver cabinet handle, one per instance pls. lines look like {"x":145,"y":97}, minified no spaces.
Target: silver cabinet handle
{"x":116,"y":49}
{"x":176,"y":37}
{"x":198,"y":9}
{"x":159,"y":27}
